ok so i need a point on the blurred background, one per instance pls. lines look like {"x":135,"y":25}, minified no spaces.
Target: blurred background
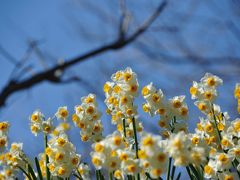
{"x":170,"y":44}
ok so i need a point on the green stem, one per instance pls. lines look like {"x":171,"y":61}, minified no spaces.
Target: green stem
{"x":173,"y":172}
{"x":77,"y":176}
{"x":169,"y":168}
{"x":195,"y":172}
{"x":97,"y":174}
{"x":135,"y":137}
{"x":124,"y":128}
{"x":136,"y":142}
{"x":178,"y":176}
{"x":110,"y":176}
{"x":24,"y":172}
{"x":215,"y":122}
{"x":189,"y":173}
{"x":38,"y":169}
{"x":46,"y":156}
{"x":235,"y":166}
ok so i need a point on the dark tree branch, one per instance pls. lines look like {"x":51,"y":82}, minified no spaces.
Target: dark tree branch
{"x":50,"y":74}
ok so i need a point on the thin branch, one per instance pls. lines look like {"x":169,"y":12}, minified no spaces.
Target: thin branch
{"x":50,"y":74}
{"x":8,"y":56}
{"x":124,"y":20}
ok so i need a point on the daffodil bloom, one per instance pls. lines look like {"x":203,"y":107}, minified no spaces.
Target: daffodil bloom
{"x":62,"y":113}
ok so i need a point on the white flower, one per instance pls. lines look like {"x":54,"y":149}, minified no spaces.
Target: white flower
{"x":211,"y":80}
{"x":62,"y":113}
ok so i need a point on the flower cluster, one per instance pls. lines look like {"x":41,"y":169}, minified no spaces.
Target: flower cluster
{"x":87,"y":118}
{"x":114,"y":154}
{"x":11,"y":160}
{"x":205,"y":92}
{"x":39,"y":124}
{"x":153,"y":155}
{"x":4,"y":126}
{"x":237,"y":95}
{"x":62,"y":155}
{"x":172,"y":112}
{"x":120,"y":96}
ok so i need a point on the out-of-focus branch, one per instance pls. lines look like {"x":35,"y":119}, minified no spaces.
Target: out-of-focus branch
{"x":7,"y":55}
{"x":124,"y":20}
{"x":51,"y":74}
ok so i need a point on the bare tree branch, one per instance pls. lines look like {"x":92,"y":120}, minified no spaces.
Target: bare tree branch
{"x":8,"y":56}
{"x":50,"y":74}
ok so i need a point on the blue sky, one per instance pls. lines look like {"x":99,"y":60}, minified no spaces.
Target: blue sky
{"x":68,"y":28}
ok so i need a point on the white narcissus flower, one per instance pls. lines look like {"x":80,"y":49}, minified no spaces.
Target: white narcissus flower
{"x":195,"y":90}
{"x":62,"y":113}
{"x":4,"y":127}
{"x":84,"y":170}
{"x":223,"y":161}
{"x":211,"y":80}
{"x":210,"y":170}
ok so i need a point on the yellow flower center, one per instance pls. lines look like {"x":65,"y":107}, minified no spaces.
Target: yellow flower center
{"x":75,"y":118}
{"x":89,"y":100}
{"x":148,"y":141}
{"x":177,"y":103}
{"x":59,"y":156}
{"x":113,"y":164}
{"x":96,"y":161}
{"x":131,"y":168}
{"x":61,"y":141}
{"x":211,"y":81}
{"x":225,"y":142}
{"x":75,"y":160}
{"x":195,"y":140}
{"x":142,"y":154}
{"x":202,"y":106}
{"x":2,"y":142}
{"x":117,"y":89}
{"x":106,"y":88}
{"x":208,"y":169}
{"x":117,"y":140}
{"x":63,"y":113}
{"x":162,"y":123}
{"x":124,"y":100}
{"x":145,"y":91}
{"x":161,"y":111}
{"x":35,"y":118}
{"x":161,"y":157}
{"x":90,"y":110}
{"x":127,"y":76}
{"x":145,"y":108}
{"x":99,"y":147}
{"x":178,"y":144}
{"x":209,"y":128}
{"x":208,"y":95}
{"x":133,"y":88}
{"x":117,"y":174}
{"x":228,"y":177}
{"x":155,"y":98}
{"x":183,"y":111}
{"x":61,"y":171}
{"x":236,"y":126}
{"x":223,"y":158}
{"x":193,"y":90}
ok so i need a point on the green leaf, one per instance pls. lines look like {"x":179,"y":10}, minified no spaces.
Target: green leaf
{"x":178,"y":176}
{"x":30,"y":169}
{"x":38,"y":169}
